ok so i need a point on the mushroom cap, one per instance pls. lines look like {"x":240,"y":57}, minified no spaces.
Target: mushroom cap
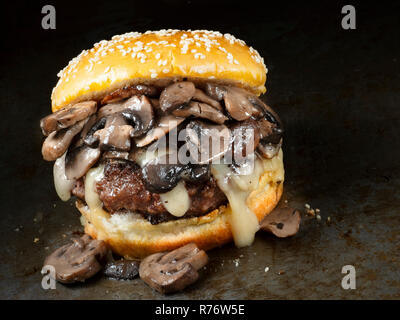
{"x":156,"y":57}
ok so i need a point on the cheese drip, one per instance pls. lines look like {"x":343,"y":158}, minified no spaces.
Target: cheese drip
{"x":176,"y":201}
{"x":61,"y":183}
{"x":237,"y":187}
{"x":91,"y":196}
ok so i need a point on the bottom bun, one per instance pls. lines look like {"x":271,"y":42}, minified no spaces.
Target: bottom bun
{"x":132,"y":236}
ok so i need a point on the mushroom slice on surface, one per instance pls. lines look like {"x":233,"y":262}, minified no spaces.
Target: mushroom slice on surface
{"x":78,"y":261}
{"x":58,"y":142}
{"x":67,"y":117}
{"x":164,"y":125}
{"x":79,"y":160}
{"x":173,"y":271}
{"x":128,"y":91}
{"x":199,"y":95}
{"x":282,"y":222}
{"x":122,"y":269}
{"x":207,"y":143}
{"x":200,"y":110}
{"x":140,"y":114}
{"x":176,"y":94}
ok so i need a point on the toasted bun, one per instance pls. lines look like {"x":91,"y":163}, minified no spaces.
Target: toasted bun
{"x":153,"y":56}
{"x":131,"y":236}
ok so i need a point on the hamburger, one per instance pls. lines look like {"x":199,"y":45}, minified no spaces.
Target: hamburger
{"x":163,"y":139}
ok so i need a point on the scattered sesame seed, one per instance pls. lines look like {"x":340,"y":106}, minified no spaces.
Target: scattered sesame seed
{"x":266,"y":269}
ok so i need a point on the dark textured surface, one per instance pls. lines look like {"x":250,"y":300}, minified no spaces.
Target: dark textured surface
{"x":337,"y":92}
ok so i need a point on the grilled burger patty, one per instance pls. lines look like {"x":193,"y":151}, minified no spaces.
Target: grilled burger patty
{"x":123,"y":189}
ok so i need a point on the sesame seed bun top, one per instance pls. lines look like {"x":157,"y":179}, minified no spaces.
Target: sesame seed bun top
{"x":156,"y":56}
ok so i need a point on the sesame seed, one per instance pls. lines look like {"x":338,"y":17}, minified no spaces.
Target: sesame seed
{"x":132,"y":43}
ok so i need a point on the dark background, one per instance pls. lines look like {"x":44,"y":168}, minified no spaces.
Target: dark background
{"x":337,"y":92}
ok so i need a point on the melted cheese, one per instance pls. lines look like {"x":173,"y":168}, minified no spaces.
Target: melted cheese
{"x":61,"y":183}
{"x":237,"y":187}
{"x":176,"y":201}
{"x":91,"y":196}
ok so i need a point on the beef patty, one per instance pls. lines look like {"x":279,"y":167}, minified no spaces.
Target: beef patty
{"x":123,"y":189}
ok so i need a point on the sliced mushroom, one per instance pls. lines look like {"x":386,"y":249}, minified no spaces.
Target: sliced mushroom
{"x":115,"y":138}
{"x":58,"y":142}
{"x":122,"y":269}
{"x":199,"y":95}
{"x":110,"y":109}
{"x":162,"y":175}
{"x":139,"y":113}
{"x":267,"y":112}
{"x":238,"y":105}
{"x":79,"y":160}
{"x":269,"y":150}
{"x":115,"y":135}
{"x":137,"y":110}
{"x":78,"y":261}
{"x":86,"y":129}
{"x":246,"y":137}
{"x":67,"y":117}
{"x":215,"y":91}
{"x":196,"y":173}
{"x":155,"y":103}
{"x":207,"y":143}
{"x":128,"y":91}
{"x":92,"y":140}
{"x":200,"y":110}
{"x":282,"y":222}
{"x":165,"y":125}
{"x":176,"y":95}
{"x":173,"y":271}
